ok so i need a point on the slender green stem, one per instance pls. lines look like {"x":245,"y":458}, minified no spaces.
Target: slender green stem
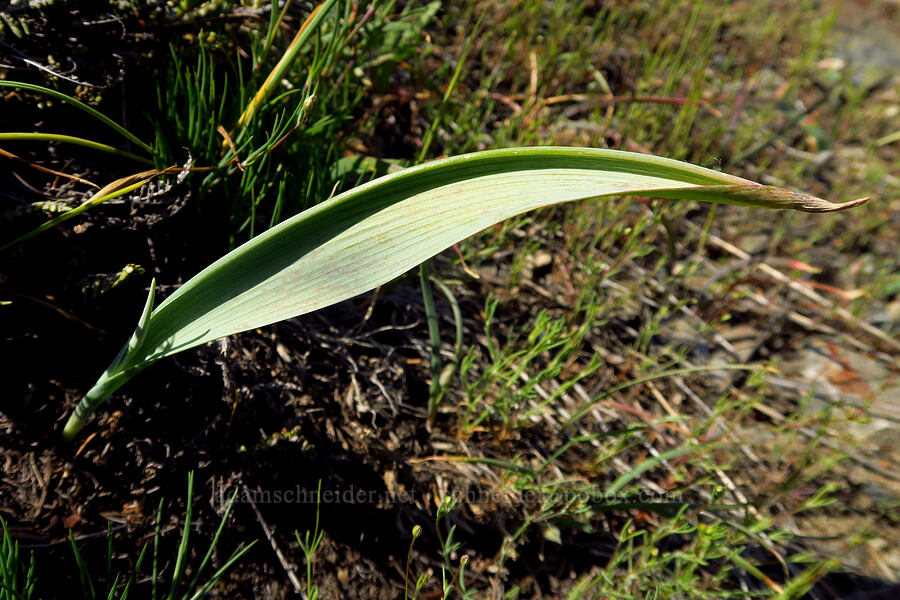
{"x":428,"y":138}
{"x":81,"y":106}
{"x":434,"y":338}
{"x":443,"y":511}
{"x":416,"y":532}
{"x":707,"y":226}
{"x":154,"y":574}
{"x":275,"y":20}
{"x":68,"y":139}
{"x":457,"y":317}
{"x":445,"y":374}
{"x":181,"y":557}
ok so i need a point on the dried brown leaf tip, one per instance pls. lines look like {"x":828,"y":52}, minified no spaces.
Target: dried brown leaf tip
{"x":777,"y":197}
{"x":813,"y":204}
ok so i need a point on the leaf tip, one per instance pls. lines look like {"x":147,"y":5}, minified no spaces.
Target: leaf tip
{"x":812,"y":204}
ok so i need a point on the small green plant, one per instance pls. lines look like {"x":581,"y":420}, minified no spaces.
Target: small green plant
{"x":309,"y":543}
{"x":17,"y":575}
{"x":420,"y":582}
{"x":378,"y":231}
{"x":195,"y":587}
{"x":89,"y":587}
{"x":450,"y":576}
{"x":440,"y":375}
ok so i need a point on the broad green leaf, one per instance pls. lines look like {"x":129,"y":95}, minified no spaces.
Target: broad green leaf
{"x":376,"y":232}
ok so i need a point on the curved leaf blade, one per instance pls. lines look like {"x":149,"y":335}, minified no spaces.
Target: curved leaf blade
{"x":376,"y":232}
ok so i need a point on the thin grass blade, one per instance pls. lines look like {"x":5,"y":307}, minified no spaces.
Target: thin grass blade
{"x":81,"y":106}
{"x":278,"y":72}
{"x":68,"y":139}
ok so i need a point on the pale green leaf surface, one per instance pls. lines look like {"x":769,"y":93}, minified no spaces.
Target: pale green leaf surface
{"x":376,"y":232}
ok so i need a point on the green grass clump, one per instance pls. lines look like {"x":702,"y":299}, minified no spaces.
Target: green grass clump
{"x":242,"y":114}
{"x":17,"y":574}
{"x":166,"y":578}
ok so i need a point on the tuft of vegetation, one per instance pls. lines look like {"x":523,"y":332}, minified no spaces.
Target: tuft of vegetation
{"x":18,"y":577}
